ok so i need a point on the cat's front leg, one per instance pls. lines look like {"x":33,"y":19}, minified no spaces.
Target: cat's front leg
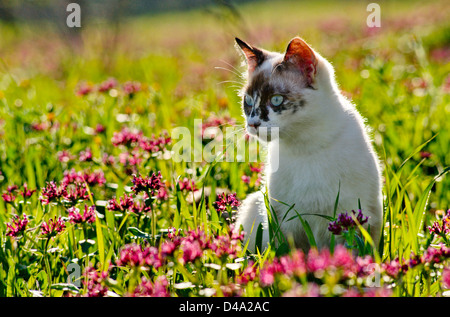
{"x":251,"y":214}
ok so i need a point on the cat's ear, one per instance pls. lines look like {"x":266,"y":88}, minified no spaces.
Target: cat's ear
{"x":254,"y":56}
{"x":301,"y":55}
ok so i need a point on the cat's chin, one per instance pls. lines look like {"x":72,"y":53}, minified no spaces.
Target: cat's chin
{"x":263,"y":134}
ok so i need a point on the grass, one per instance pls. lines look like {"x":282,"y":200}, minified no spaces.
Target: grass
{"x":49,"y":126}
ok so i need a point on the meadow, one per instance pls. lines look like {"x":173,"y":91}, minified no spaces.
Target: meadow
{"x":94,"y":204}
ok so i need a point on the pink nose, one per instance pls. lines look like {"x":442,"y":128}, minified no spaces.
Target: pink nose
{"x":255,"y":125}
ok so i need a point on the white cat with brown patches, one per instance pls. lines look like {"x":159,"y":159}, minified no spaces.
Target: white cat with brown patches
{"x":322,"y":147}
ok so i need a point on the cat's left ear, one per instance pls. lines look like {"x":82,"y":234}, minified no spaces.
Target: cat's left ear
{"x":301,"y":55}
{"x":254,"y":56}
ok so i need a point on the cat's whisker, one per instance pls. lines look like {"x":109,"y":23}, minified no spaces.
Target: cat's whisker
{"x":227,"y":63}
{"x":233,"y":133}
{"x":238,"y":91}
{"x":229,"y":81}
{"x":235,"y":70}
{"x":237,"y":86}
{"x":231,"y":71}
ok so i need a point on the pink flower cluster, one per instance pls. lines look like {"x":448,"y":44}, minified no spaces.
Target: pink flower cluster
{"x":124,"y":203}
{"x":152,"y":187}
{"x":196,"y":242}
{"x":297,"y":265}
{"x":441,"y":229}
{"x":127,"y":138}
{"x":64,"y":156}
{"x":187,"y":184}
{"x":149,"y":184}
{"x":227,"y":245}
{"x":185,"y":249}
{"x":132,"y":87}
{"x":84,"y":89}
{"x":128,"y":88}
{"x":94,"y":282}
{"x":92,"y":179}
{"x":133,"y":255}
{"x":226,"y":202}
{"x":313,"y":268}
{"x":255,"y":173}
{"x":97,"y":285}
{"x":344,"y":222}
{"x":10,"y":195}
{"x":130,"y":160}
{"x":215,"y":122}
{"x":127,"y":202}
{"x":53,"y":227}
{"x":76,"y":217}
{"x":73,"y":193}
{"x":27,"y":192}
{"x":430,"y":257}
{"x":68,"y":193}
{"x":107,"y":85}
{"x":306,"y":272}
{"x":52,"y":192}
{"x":136,"y":139}
{"x":446,"y":278}
{"x":148,"y":289}
{"x":137,"y":148}
{"x":86,"y":156}
{"x":17,"y":226}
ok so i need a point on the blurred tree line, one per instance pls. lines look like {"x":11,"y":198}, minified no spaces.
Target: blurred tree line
{"x":12,"y":11}
{"x":111,"y":12}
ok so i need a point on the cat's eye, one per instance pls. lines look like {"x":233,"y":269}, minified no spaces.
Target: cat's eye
{"x":249,"y":100}
{"x":276,"y":100}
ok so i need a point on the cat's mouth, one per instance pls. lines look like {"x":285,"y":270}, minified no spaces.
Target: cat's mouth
{"x":252,"y":130}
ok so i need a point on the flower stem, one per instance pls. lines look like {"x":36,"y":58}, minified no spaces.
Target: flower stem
{"x":47,"y":267}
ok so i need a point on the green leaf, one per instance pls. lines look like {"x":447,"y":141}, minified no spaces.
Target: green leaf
{"x":182,"y":209}
{"x":308,"y":231}
{"x":282,"y":249}
{"x":259,"y":237}
{"x":419,"y":210}
{"x":100,"y":242}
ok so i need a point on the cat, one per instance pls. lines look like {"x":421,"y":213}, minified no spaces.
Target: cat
{"x":322,"y":147}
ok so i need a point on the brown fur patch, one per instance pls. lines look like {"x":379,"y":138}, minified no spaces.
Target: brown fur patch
{"x":281,"y":79}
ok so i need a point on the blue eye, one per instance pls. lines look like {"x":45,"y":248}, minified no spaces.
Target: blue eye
{"x":249,"y":100}
{"x":276,"y":100}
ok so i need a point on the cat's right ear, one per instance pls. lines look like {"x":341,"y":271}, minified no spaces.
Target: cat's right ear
{"x":254,"y":56}
{"x":299,"y":53}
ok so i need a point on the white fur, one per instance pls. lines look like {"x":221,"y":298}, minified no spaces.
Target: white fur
{"x":322,"y":149}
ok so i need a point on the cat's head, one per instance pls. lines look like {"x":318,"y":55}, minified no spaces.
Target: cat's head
{"x":288,"y":92}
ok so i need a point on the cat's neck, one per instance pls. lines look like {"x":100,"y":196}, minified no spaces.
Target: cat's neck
{"x":305,"y":138}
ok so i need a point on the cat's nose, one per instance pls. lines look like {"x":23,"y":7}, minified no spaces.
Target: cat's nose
{"x":255,"y":124}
